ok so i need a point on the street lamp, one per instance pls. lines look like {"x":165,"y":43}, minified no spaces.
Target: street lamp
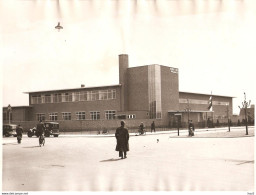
{"x":245,"y":106}
{"x":228,"y":118}
{"x":9,"y":108}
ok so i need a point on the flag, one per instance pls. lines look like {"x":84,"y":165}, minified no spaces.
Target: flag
{"x":210,"y":104}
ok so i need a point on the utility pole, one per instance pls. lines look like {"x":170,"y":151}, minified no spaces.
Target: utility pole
{"x":245,"y":106}
{"x":9,"y":108}
{"x":228,"y":119}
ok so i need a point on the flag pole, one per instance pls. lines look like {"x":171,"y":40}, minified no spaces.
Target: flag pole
{"x":212,"y":110}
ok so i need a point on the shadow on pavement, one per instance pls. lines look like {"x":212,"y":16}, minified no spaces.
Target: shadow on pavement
{"x":10,"y":143}
{"x":32,"y":147}
{"x":111,"y":159}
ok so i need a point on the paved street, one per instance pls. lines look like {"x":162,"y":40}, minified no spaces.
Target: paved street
{"x":214,"y":160}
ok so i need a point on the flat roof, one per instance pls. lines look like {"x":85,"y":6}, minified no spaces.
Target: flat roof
{"x":18,"y":107}
{"x":206,"y":94}
{"x":106,"y":86}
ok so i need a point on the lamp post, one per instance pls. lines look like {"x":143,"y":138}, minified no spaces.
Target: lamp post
{"x":9,"y":108}
{"x":245,"y":106}
{"x":228,"y":118}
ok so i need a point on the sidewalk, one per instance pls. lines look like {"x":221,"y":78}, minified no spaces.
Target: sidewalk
{"x":210,"y":132}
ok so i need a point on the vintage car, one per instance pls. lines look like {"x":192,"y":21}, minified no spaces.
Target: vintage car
{"x":51,"y":128}
{"x":9,"y":130}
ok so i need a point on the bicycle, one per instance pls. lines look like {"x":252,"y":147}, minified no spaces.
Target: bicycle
{"x":141,"y":132}
{"x":41,"y":140}
{"x":19,"y":138}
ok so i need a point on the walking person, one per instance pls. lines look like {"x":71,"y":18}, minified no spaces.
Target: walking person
{"x":153,"y":127}
{"x":19,"y":131}
{"x":40,"y":127}
{"x":141,"y":128}
{"x":122,"y":138}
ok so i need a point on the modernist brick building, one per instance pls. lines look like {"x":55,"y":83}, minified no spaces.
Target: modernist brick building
{"x":144,"y":93}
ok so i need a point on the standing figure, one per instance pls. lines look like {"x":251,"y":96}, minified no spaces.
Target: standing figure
{"x":191,"y":128}
{"x":153,"y":128}
{"x":122,"y":138}
{"x":141,"y":128}
{"x":19,"y":131}
{"x":40,"y":127}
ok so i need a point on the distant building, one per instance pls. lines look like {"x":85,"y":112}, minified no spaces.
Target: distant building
{"x":144,"y":93}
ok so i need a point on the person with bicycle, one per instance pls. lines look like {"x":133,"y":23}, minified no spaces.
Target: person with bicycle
{"x":40,"y":130}
{"x":19,"y":131}
{"x":141,"y":128}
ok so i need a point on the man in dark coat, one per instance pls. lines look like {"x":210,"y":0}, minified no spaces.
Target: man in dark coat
{"x":122,"y":138}
{"x":153,"y":128}
{"x":19,"y":131}
{"x":40,"y":128}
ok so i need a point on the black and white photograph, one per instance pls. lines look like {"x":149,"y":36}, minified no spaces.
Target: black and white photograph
{"x":131,"y":96}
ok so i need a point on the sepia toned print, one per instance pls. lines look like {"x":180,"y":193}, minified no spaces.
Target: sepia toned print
{"x":128,"y":96}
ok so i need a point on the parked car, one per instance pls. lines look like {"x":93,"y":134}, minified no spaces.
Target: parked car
{"x":51,"y":128}
{"x":9,"y":130}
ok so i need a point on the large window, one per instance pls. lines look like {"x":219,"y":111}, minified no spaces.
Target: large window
{"x":36,"y":99}
{"x":40,"y":117}
{"x":53,"y":116}
{"x":195,"y":101}
{"x":83,"y":96}
{"x":80,"y":115}
{"x":92,"y":95}
{"x":57,"y":97}
{"x":154,"y":88}
{"x":103,"y":95}
{"x":67,"y":97}
{"x":74,"y":96}
{"x":47,"y":98}
{"x":66,"y":115}
{"x":110,"y":114}
{"x":95,"y":115}
{"x":112,"y":94}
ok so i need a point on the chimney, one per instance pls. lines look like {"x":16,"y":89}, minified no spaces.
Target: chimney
{"x":123,"y":80}
{"x":82,"y":85}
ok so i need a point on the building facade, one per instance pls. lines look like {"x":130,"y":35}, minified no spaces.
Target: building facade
{"x":144,"y":94}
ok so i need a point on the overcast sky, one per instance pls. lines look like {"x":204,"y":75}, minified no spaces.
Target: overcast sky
{"x":211,"y":42}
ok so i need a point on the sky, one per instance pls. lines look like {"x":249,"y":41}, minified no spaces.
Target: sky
{"x":211,"y":42}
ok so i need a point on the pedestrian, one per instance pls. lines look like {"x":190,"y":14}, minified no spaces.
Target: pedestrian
{"x":191,"y":128}
{"x":153,"y":128}
{"x":19,"y":131}
{"x":141,"y":128}
{"x":40,"y":128}
{"x":122,"y":139}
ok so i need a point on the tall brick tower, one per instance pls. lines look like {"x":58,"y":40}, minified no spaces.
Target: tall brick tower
{"x":123,"y":66}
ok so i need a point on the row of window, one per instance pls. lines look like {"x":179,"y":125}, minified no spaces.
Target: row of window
{"x":94,"y":115}
{"x":193,"y":101}
{"x":74,"y":96}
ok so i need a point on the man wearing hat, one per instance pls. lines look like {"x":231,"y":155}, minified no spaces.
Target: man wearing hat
{"x":122,"y":138}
